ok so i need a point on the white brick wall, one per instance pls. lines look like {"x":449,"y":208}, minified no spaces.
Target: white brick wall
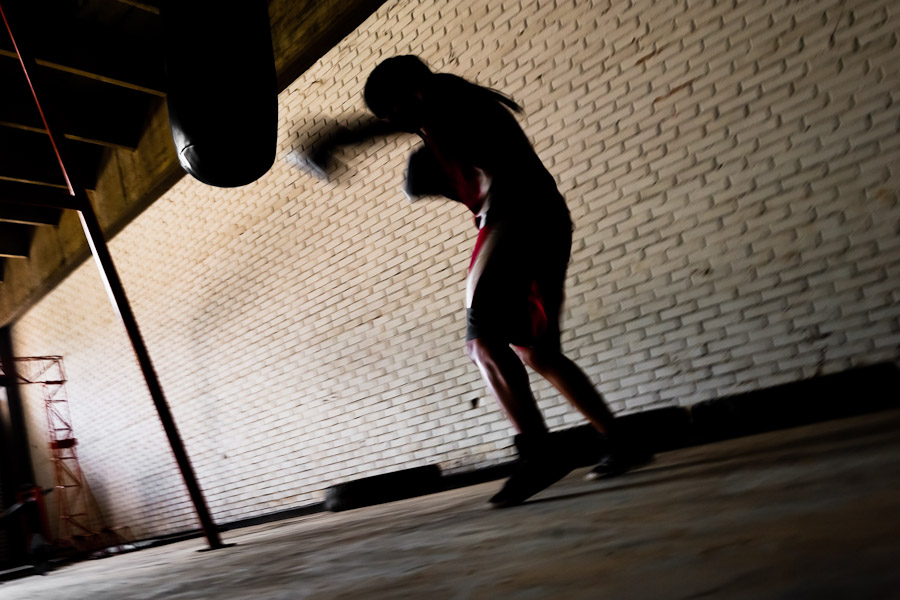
{"x":731,"y":170}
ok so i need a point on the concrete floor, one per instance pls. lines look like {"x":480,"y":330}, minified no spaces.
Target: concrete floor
{"x":812,"y":512}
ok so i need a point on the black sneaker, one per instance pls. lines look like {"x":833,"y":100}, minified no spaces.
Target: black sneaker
{"x":529,"y":478}
{"x":542,"y":462}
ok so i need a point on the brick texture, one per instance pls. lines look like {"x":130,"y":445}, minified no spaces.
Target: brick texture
{"x":731,"y":169}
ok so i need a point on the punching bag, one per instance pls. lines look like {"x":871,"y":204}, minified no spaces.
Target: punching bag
{"x":221,"y":89}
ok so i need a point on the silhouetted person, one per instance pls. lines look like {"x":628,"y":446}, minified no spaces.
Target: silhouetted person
{"x":474,"y":152}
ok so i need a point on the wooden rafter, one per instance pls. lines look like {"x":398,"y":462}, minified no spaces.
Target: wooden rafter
{"x":29,"y":214}
{"x":28,"y":157}
{"x":15,"y":240}
{"x":17,"y":194}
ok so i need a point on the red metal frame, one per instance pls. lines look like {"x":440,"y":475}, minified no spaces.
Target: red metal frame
{"x":72,"y":494}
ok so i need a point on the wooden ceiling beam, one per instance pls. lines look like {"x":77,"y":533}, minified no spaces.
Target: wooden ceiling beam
{"x":150,"y":7}
{"x":304,"y":30}
{"x":85,"y":135}
{"x":15,"y":240}
{"x":24,"y":214}
{"x":28,"y":157}
{"x":15,"y":194}
{"x":118,"y":75}
{"x":121,"y":49}
{"x":105,"y":122}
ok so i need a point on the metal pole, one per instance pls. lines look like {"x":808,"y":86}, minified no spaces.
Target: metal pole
{"x":119,"y":300}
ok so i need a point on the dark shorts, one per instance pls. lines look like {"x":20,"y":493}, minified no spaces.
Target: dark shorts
{"x":517,"y":278}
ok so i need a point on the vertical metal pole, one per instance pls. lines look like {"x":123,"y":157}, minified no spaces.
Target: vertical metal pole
{"x":119,"y":300}
{"x":12,"y":418}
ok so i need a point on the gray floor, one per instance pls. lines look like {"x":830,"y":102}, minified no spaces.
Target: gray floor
{"x":812,"y":512}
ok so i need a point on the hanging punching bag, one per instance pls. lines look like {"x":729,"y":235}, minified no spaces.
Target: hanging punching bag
{"x":221,"y":93}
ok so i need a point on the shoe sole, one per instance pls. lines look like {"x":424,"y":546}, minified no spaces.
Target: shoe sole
{"x":593,"y":476}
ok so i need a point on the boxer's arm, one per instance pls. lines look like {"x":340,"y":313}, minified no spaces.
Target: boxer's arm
{"x":320,"y":156}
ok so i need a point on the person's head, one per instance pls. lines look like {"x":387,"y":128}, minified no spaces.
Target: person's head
{"x":394,"y":91}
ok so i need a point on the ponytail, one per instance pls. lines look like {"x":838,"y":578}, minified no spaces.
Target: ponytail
{"x":500,"y":97}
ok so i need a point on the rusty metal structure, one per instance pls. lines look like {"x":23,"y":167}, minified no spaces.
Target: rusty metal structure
{"x":73,"y":498}
{"x":82,"y":526}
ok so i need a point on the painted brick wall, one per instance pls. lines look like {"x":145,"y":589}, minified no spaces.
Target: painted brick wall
{"x":731,"y":168}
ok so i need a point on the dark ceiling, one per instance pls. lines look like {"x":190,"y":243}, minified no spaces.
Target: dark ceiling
{"x":100,"y":66}
{"x":101,"y":72}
